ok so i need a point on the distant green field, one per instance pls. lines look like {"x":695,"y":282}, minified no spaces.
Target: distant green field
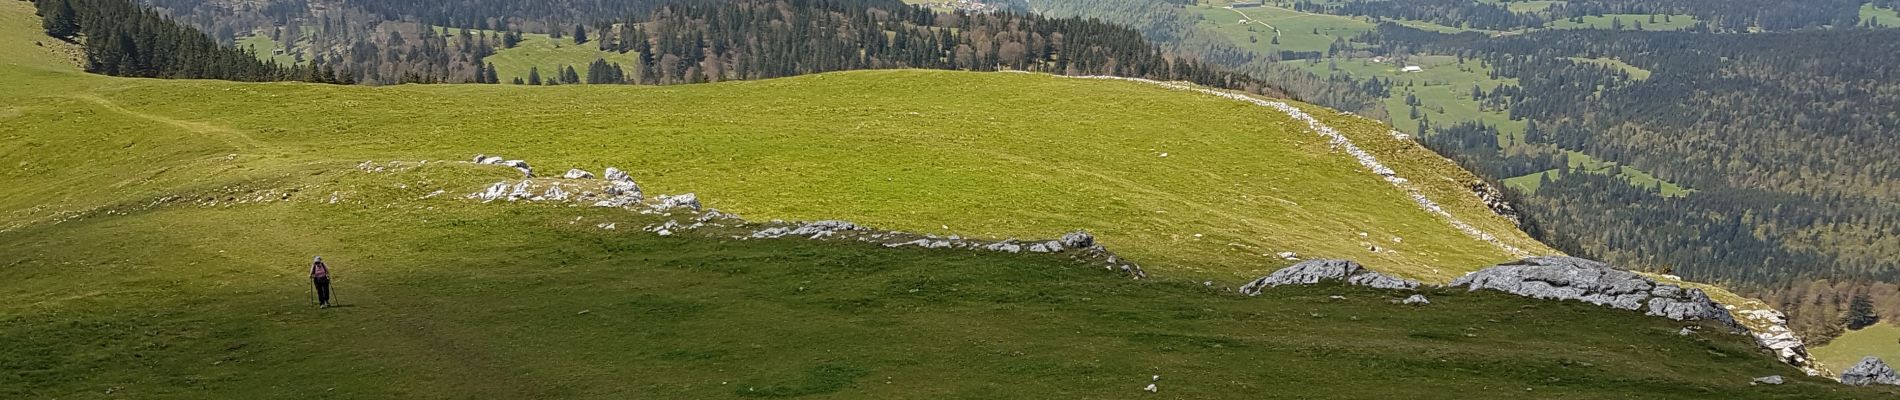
{"x":1296,"y":28}
{"x":1434,"y":27}
{"x":1880,"y":340}
{"x":264,"y":46}
{"x":1580,"y":162}
{"x":1663,"y":22}
{"x":551,"y":55}
{"x":1444,"y":87}
{"x":1880,"y":16}
{"x":1635,"y":72}
{"x":1526,"y":6}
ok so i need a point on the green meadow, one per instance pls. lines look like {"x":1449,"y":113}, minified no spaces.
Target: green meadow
{"x":1880,"y":340}
{"x":1671,"y":23}
{"x":550,"y":55}
{"x":1296,"y":29}
{"x":1884,"y":17}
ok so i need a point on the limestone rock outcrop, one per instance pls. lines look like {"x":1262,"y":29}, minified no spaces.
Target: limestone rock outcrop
{"x":1316,"y":271}
{"x":1870,"y":371}
{"x":1570,"y":278}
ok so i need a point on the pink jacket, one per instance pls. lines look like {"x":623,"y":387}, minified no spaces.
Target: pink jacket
{"x":318,"y":270}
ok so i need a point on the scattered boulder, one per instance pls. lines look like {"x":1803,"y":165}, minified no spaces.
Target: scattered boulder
{"x":713,"y":214}
{"x":577,"y":173}
{"x":1570,"y":278}
{"x":520,"y":166}
{"x":824,"y":228}
{"x":489,"y":160}
{"x":814,"y":230}
{"x":555,"y":193}
{"x":621,"y":190}
{"x":495,"y":191}
{"x":1006,"y":246}
{"x":620,"y":184}
{"x":689,"y":201}
{"x":521,"y":191}
{"x":1316,"y":271}
{"x":1151,"y":387}
{"x":1416,"y":300}
{"x":1077,"y":240}
{"x":1767,"y":380}
{"x":617,"y":202}
{"x":1870,"y":371}
{"x":1046,"y":247}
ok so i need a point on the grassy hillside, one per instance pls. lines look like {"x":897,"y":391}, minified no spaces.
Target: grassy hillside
{"x":154,"y":233}
{"x":986,"y":155}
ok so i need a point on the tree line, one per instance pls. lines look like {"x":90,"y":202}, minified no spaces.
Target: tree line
{"x":687,"y":41}
{"x":1712,"y":15}
{"x":121,"y":38}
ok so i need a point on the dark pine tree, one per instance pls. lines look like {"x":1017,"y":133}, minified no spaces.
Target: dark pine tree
{"x":60,"y":20}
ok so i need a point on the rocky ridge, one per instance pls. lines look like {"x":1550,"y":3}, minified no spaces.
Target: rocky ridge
{"x":684,"y":213}
{"x":1570,"y":278}
{"x":1316,"y":271}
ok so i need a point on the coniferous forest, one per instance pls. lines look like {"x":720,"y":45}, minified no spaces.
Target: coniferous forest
{"x":1785,"y":139}
{"x":122,"y":38}
{"x":413,"y":41}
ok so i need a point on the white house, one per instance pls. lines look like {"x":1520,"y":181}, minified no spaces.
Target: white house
{"x":1412,"y":68}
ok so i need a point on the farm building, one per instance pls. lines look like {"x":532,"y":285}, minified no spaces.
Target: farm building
{"x":1245,"y":4}
{"x":1412,"y":68}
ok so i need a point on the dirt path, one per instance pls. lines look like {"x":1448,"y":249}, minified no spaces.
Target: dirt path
{"x":1340,"y":141}
{"x":236,"y":139}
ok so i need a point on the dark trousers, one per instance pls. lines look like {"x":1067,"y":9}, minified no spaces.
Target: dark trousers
{"x":323,"y":289}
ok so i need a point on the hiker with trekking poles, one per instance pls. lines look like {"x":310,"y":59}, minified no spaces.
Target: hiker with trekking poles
{"x":320,"y":276}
